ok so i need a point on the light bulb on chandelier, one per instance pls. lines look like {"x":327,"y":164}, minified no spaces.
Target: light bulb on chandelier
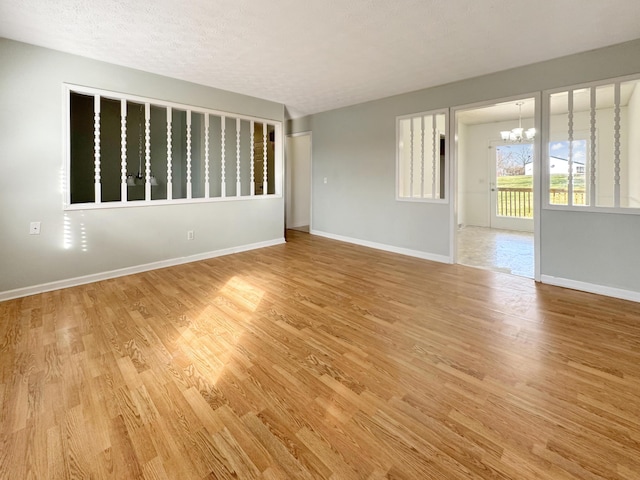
{"x":518,"y":134}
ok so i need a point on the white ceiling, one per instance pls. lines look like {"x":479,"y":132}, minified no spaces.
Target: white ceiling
{"x":316,"y":56}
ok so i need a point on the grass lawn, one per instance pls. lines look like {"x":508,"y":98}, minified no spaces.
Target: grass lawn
{"x":516,"y":181}
{"x":558,"y":180}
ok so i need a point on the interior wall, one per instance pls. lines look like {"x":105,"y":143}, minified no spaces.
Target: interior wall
{"x":354,"y":149}
{"x":79,"y":243}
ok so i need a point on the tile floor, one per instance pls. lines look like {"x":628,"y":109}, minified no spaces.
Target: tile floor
{"x":499,"y":250}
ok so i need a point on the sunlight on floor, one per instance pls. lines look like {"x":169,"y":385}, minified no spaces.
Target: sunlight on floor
{"x":243,"y":293}
{"x":499,"y":250}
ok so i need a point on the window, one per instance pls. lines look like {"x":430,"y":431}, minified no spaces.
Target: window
{"x":125,"y":150}
{"x":421,"y":158}
{"x":593,"y":155}
{"x":559,"y":171}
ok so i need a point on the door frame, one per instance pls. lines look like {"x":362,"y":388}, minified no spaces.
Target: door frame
{"x":286,"y":162}
{"x":537,"y":172}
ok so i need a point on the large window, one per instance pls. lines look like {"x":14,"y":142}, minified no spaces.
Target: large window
{"x":125,"y":150}
{"x":593,"y":154}
{"x":421,"y":165}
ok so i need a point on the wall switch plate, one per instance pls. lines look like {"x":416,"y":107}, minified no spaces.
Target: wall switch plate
{"x":34,"y":228}
{"x":190,"y":235}
{"x":325,"y":179}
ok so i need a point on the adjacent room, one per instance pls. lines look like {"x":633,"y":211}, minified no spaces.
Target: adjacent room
{"x":496,"y":207}
{"x":339,"y":240}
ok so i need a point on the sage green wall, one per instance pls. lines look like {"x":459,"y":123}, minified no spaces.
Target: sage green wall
{"x":78,"y":243}
{"x":354,"y":148}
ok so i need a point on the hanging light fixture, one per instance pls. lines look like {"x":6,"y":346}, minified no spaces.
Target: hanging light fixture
{"x":138,"y":179}
{"x":518,"y":134}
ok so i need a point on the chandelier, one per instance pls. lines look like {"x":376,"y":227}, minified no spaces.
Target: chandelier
{"x":138,"y":179}
{"x":518,"y":134}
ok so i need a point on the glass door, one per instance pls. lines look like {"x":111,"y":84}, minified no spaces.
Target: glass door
{"x":511,"y":186}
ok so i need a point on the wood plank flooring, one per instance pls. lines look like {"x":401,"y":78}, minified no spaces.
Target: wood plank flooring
{"x":319,"y":360}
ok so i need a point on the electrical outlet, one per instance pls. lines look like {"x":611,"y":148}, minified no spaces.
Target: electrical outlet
{"x":325,"y":180}
{"x":34,"y":228}
{"x":190,"y":235}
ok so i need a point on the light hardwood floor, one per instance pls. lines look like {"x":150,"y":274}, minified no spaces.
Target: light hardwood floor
{"x":319,"y":359}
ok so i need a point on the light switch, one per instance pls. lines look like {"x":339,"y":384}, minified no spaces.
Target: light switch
{"x":34,"y":228}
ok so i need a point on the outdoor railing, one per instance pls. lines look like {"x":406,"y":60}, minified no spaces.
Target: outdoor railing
{"x":559,"y":196}
{"x":518,"y":202}
{"x":515,"y":202}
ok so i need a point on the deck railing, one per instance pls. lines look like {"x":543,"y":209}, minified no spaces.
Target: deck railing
{"x":518,"y":202}
{"x":559,"y":196}
{"x":515,"y":202}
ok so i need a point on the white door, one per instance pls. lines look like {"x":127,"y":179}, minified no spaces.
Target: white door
{"x":298,"y":181}
{"x":511,"y":186}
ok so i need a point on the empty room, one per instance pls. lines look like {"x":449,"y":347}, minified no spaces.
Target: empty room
{"x":330,"y":240}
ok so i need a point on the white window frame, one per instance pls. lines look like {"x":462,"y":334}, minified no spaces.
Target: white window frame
{"x":445,"y":169}
{"x":68,"y":88}
{"x":547,"y":140}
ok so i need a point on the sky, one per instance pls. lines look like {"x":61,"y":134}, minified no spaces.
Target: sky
{"x":558,"y":149}
{"x":561,"y":150}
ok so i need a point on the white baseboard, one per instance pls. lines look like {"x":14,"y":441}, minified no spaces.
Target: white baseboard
{"x":387,"y":248}
{"x":96,"y":277}
{"x":591,"y":288}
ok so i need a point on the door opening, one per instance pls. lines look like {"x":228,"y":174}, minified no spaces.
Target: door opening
{"x":495,"y":187}
{"x":298,"y":182}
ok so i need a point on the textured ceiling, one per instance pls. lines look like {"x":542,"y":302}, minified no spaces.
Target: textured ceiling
{"x":316,"y":56}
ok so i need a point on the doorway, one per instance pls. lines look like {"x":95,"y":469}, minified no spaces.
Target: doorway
{"x":298,"y":182}
{"x":496,"y":155}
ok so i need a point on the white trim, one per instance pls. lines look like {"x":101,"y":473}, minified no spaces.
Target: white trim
{"x":175,"y":201}
{"x":310,"y":180}
{"x":591,"y":288}
{"x":66,"y":145}
{"x":590,"y":209}
{"x":96,"y":277}
{"x":383,"y":246}
{"x":278,"y":158}
{"x":537,"y":186}
{"x":452,"y":144}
